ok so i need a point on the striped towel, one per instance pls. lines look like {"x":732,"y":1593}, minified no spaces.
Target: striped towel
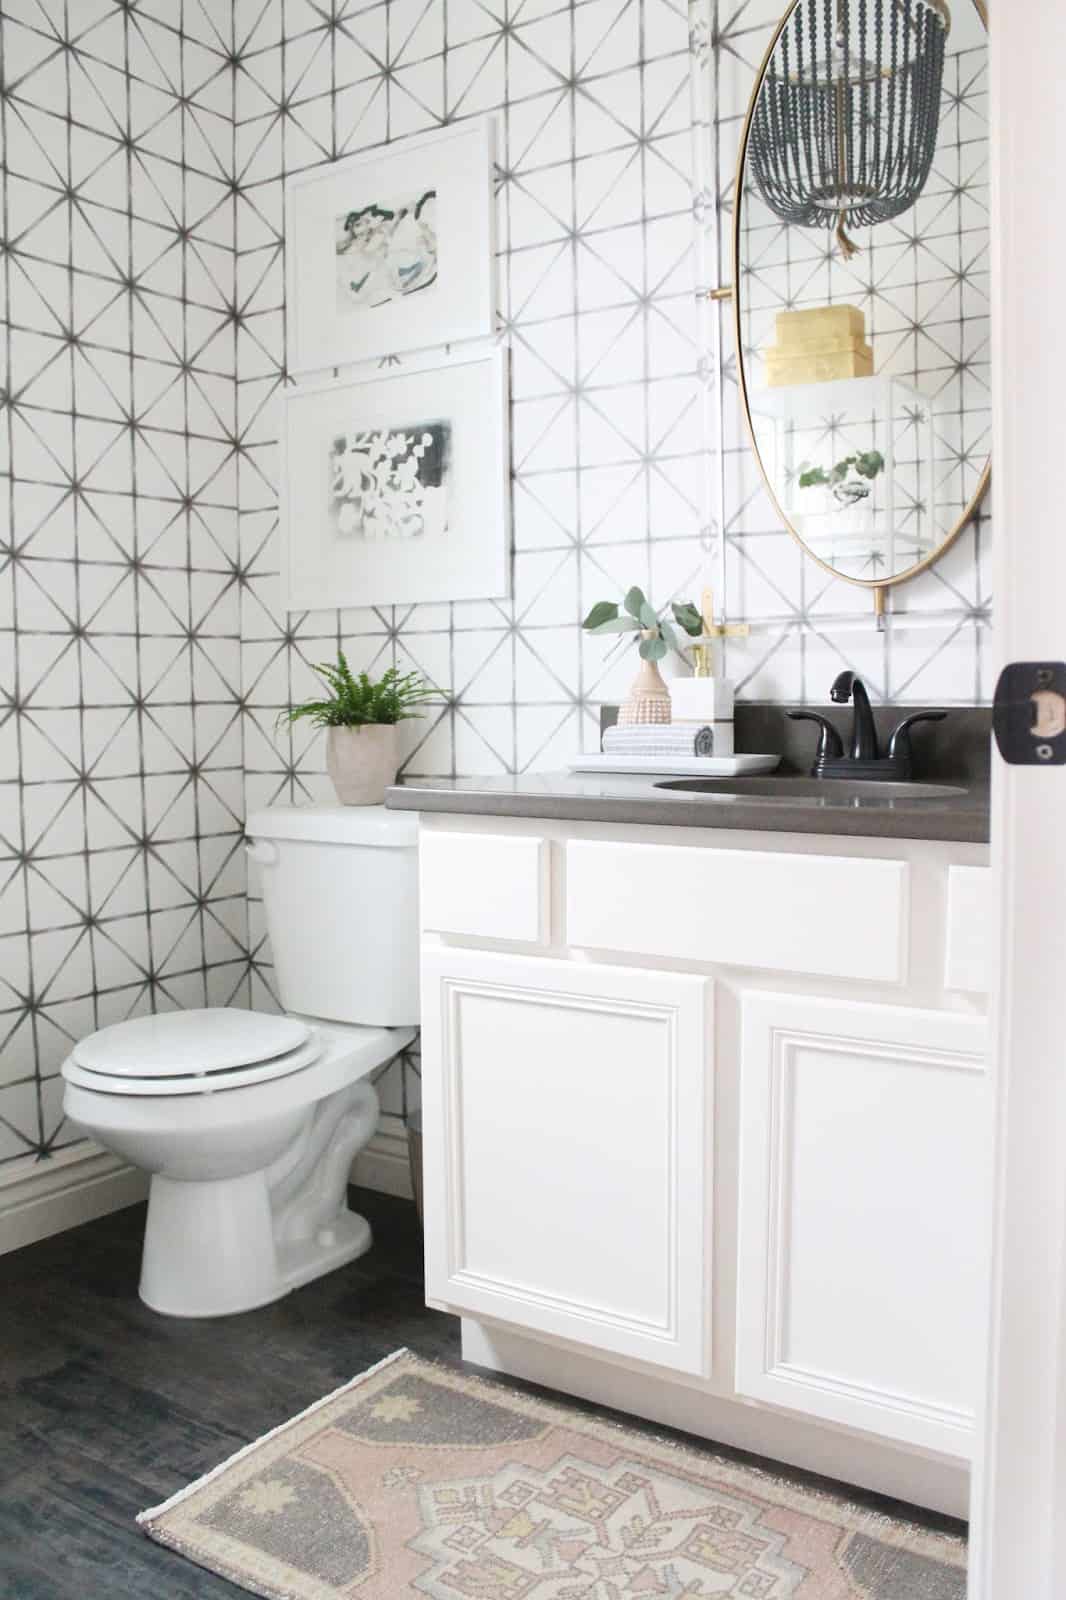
{"x":661,"y":739}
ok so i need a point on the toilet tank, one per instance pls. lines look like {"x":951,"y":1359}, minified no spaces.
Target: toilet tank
{"x":340,"y":889}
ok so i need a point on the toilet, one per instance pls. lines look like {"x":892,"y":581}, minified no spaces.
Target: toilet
{"x":248,"y":1122}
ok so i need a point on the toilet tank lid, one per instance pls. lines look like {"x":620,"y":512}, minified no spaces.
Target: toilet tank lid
{"x":362,"y":825}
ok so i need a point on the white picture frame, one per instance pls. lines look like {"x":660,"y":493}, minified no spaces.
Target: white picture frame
{"x":395,"y":487}
{"x":392,"y":250}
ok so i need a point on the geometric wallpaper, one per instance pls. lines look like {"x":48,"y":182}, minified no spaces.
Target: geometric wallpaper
{"x":144,"y":653}
{"x":596,"y":300}
{"x":122,"y":880}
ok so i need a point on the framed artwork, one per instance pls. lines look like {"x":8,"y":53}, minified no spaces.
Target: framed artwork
{"x":395,"y":487}
{"x":392,"y":250}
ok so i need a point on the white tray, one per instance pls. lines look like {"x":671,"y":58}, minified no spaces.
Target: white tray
{"x":677,"y":766}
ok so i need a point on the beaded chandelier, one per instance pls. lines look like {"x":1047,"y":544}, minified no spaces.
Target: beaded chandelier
{"x":845,"y":126}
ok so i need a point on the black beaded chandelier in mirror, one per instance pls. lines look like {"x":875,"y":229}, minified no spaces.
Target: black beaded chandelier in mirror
{"x":845,"y":128}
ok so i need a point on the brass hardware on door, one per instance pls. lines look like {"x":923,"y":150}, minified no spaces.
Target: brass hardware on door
{"x":1029,"y":713}
{"x":1049,"y":714}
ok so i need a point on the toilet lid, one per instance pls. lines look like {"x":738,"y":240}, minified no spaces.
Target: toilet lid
{"x":179,"y":1043}
{"x":197,"y":1082}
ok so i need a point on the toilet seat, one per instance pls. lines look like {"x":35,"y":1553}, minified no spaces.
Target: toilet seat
{"x":345,"y":1058}
{"x":214,"y":1038}
{"x":192,"y":1053}
{"x":213,"y":1081}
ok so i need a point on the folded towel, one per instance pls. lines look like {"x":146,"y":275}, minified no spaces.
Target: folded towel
{"x":659,"y":739}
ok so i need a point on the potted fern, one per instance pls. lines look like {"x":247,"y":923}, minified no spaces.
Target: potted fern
{"x":362,"y":720}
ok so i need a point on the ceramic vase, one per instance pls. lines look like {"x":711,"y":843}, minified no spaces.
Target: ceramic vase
{"x":362,"y":762}
{"x":649,"y":698}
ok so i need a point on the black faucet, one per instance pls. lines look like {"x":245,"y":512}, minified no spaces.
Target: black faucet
{"x":864,"y":760}
{"x":849,"y":686}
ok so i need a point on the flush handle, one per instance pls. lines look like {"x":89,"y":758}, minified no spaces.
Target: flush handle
{"x":1029,"y":714}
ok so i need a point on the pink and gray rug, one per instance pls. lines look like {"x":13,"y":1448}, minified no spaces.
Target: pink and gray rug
{"x":414,"y":1480}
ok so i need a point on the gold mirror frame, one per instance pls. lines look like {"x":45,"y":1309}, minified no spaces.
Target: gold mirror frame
{"x":877,"y":586}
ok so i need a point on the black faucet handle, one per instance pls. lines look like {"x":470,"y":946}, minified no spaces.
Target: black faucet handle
{"x":830,"y":744}
{"x":899,"y":746}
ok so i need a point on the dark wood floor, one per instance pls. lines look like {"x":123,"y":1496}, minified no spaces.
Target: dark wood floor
{"x":107,"y":1408}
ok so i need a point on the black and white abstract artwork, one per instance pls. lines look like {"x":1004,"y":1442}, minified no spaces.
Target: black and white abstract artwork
{"x":396,"y":485}
{"x":391,"y":483}
{"x":386,"y":250}
{"x":391,"y":249}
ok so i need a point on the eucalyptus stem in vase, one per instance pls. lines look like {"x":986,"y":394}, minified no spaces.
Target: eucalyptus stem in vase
{"x":649,"y":698}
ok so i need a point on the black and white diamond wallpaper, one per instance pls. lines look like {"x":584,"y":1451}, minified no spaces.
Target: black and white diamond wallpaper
{"x":122,"y":881}
{"x":144,"y":654}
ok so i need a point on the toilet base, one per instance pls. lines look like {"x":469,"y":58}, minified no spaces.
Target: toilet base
{"x":210,"y":1251}
{"x":346,"y":1238}
{"x":216,"y":1246}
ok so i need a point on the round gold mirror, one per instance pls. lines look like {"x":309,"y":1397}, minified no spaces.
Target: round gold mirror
{"x":861,"y":279}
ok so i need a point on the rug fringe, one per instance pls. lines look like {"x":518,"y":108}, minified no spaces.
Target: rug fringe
{"x":146,"y":1517}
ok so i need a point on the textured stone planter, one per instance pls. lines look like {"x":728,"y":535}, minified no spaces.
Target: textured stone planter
{"x":363,"y":762}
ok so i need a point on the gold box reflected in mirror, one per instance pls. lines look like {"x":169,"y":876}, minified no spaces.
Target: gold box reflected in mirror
{"x":817,"y":346}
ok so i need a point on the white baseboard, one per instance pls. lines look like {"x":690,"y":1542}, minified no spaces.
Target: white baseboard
{"x":383,"y":1163}
{"x":39,"y":1198}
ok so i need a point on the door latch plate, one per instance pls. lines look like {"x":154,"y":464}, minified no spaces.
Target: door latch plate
{"x":1029,"y":714}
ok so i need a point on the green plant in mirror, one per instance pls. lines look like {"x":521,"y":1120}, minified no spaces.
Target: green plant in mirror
{"x":357,"y":702}
{"x":867,"y":463}
{"x":640,"y":616}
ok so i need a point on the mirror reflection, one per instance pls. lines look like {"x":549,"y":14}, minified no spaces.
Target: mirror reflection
{"x":862,"y":278}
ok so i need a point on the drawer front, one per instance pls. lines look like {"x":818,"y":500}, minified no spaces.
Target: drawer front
{"x":485,"y":885}
{"x":838,"y":916}
{"x":969,"y":929}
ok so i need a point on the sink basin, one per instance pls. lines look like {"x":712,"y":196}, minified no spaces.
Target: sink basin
{"x":813,"y":791}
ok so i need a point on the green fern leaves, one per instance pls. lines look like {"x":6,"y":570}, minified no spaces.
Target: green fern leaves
{"x":357,"y":702}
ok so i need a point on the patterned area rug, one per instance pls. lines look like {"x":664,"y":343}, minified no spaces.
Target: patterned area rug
{"x":415,"y":1480}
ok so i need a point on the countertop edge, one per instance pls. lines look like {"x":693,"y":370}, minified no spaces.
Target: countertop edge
{"x":969,"y":826}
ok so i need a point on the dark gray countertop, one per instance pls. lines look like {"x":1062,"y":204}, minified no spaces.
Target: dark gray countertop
{"x":953,"y":752}
{"x":567,"y":797}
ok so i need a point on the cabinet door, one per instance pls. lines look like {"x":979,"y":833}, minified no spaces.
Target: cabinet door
{"x":863,"y":1178}
{"x":566,"y":1150}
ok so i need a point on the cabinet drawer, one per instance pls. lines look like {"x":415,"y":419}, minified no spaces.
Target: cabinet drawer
{"x":969,"y":929}
{"x":838,"y":916}
{"x":485,"y":885}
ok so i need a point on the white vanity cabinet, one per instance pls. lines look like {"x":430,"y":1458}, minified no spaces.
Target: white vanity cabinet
{"x":567,"y":1107}
{"x":705,"y":1125}
{"x":861,"y":1255}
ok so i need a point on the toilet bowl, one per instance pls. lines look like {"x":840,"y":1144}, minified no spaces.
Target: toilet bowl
{"x":248,"y":1122}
